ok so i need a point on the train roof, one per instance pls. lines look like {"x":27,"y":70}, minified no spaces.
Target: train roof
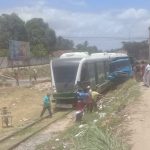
{"x":75,"y":55}
{"x":109,"y":55}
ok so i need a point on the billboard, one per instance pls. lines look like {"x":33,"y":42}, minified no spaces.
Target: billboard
{"x":19,"y":50}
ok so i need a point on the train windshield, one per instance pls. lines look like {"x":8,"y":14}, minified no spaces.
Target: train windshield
{"x":65,"y":74}
{"x":117,"y":65}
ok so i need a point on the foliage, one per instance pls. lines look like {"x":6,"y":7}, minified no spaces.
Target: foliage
{"x":86,"y":48}
{"x":39,"y":50}
{"x":11,"y":28}
{"x":42,"y":38}
{"x":40,"y":35}
{"x":3,"y":52}
{"x":138,"y":50}
{"x":64,"y":44}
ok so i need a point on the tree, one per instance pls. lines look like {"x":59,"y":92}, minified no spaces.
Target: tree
{"x":85,"y":48}
{"x":64,"y":44}
{"x":138,"y":50}
{"x":11,"y":28}
{"x":39,"y":33}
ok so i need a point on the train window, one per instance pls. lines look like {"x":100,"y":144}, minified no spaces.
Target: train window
{"x":84,"y":73}
{"x":115,"y":66}
{"x":101,"y":72}
{"x":65,"y":73}
{"x":91,"y":70}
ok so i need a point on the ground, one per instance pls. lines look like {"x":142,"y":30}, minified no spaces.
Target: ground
{"x":51,"y":132}
{"x":24,"y":103}
{"x":139,"y":121}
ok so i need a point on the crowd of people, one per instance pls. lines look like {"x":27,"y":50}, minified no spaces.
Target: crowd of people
{"x":142,"y":72}
{"x":86,"y":101}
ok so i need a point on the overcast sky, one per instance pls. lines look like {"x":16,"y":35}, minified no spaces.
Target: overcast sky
{"x":104,"y":23}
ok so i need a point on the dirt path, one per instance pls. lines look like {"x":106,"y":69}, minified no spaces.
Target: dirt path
{"x":52,"y":131}
{"x":139,"y":121}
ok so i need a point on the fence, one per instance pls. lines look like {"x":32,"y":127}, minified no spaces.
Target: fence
{"x":5,"y":63}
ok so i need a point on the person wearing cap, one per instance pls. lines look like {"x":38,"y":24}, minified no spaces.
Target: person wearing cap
{"x":46,"y":105}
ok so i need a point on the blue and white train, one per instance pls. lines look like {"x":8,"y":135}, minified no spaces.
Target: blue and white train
{"x":97,"y":69}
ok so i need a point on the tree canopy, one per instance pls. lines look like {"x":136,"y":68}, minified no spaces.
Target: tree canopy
{"x":85,"y":47}
{"x":42,"y":38}
{"x":11,"y":28}
{"x":138,"y":50}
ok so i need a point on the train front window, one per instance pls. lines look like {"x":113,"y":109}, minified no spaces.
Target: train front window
{"x":65,"y":74}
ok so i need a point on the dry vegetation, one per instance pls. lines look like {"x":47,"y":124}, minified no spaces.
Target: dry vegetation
{"x":24,"y":103}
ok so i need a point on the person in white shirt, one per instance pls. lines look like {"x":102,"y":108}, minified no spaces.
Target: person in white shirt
{"x":146,"y":77}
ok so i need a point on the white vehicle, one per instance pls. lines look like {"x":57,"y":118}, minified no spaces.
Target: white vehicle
{"x":73,"y":68}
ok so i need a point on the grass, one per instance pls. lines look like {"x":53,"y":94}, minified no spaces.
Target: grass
{"x":98,"y":130}
{"x":25,"y":105}
{"x":24,"y":72}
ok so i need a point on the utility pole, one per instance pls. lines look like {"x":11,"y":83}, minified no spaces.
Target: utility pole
{"x":149,"y":44}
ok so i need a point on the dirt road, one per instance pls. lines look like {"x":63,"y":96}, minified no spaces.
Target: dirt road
{"x":139,"y":121}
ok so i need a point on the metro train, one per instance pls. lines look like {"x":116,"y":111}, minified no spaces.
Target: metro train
{"x":96,"y":70}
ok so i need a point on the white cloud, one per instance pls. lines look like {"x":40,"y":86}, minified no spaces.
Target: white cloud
{"x":122,"y":23}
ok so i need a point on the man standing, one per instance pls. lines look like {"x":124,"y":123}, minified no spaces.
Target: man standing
{"x":35,"y":74}
{"x":95,"y":98}
{"x":46,"y":105}
{"x":16,"y":76}
{"x":146,"y":77}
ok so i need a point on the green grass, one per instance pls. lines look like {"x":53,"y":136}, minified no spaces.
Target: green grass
{"x":99,"y":131}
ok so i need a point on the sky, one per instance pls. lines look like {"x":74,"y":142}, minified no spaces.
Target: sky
{"x":104,"y":23}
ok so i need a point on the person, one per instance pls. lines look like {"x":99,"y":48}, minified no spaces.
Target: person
{"x":95,"y":98}
{"x":16,"y":76}
{"x":35,"y":74}
{"x":89,"y":101}
{"x":137,"y":71}
{"x":143,"y":67}
{"x":146,"y":77}
{"x":46,"y":105}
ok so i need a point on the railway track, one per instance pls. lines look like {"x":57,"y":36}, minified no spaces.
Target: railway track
{"x":15,"y":139}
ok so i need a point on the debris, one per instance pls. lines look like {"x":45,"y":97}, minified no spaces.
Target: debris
{"x":25,"y":119}
{"x":95,"y":120}
{"x":57,"y":140}
{"x":79,"y":134}
{"x":102,"y":115}
{"x":82,"y":125}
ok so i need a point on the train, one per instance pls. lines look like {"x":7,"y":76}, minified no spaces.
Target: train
{"x":72,"y":70}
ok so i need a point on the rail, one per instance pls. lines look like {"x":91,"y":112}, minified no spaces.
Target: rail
{"x":15,"y":139}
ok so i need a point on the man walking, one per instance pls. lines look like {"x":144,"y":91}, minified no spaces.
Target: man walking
{"x":46,"y":105}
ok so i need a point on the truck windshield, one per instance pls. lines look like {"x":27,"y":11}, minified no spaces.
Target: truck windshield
{"x":116,"y":66}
